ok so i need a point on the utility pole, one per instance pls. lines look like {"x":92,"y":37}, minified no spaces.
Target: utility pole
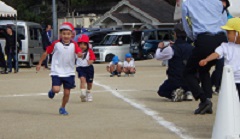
{"x":55,"y":24}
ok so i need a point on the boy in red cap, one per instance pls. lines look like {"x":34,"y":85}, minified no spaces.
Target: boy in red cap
{"x":85,"y":68}
{"x":63,"y":64}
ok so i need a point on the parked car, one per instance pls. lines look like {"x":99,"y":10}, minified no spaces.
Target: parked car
{"x":30,"y":35}
{"x":144,"y":43}
{"x":117,"y":43}
{"x":95,"y":36}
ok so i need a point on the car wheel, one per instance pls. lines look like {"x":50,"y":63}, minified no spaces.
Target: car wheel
{"x":109,"y":58}
{"x":30,"y":63}
{"x":150,"y":55}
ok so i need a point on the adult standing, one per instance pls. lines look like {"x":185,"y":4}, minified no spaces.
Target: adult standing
{"x":10,"y":49}
{"x":217,"y":73}
{"x":202,"y":20}
{"x":46,"y":41}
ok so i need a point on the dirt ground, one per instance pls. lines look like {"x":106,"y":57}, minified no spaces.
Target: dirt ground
{"x":123,"y":108}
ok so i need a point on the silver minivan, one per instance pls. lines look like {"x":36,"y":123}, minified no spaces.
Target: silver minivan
{"x":117,"y":43}
{"x":31,"y":36}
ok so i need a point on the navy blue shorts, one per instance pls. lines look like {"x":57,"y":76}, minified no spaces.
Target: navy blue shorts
{"x":86,"y":72}
{"x":68,"y":82}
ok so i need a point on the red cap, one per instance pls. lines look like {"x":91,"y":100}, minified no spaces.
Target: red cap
{"x":67,"y":25}
{"x":83,"y":38}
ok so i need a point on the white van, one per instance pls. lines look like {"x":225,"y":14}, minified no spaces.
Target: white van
{"x":117,"y":43}
{"x":31,"y":36}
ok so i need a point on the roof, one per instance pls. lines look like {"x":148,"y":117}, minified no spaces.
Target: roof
{"x":121,"y":33}
{"x":158,"y":9}
{"x":6,"y":10}
{"x":126,"y":18}
{"x":5,"y":22}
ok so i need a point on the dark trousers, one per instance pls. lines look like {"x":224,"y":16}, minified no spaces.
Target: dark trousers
{"x":12,"y":61}
{"x":204,"y":46}
{"x":166,"y":89}
{"x":217,"y":74}
{"x":3,"y":62}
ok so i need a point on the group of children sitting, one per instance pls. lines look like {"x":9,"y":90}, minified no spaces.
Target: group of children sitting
{"x":116,"y":67}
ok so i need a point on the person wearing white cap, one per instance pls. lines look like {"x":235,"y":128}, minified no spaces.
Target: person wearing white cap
{"x":63,"y":64}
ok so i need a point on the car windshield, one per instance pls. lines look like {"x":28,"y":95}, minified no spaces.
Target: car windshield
{"x":20,"y":30}
{"x":110,"y":40}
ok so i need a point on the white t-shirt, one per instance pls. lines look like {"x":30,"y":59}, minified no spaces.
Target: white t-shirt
{"x":130,"y":64}
{"x":63,"y":59}
{"x":83,"y":62}
{"x":231,"y":54}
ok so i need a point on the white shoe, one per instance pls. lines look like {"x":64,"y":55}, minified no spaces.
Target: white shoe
{"x":177,"y":95}
{"x":83,"y":96}
{"x":188,"y":96}
{"x":89,"y":97}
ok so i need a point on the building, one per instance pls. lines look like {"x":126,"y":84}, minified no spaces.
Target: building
{"x":135,"y":14}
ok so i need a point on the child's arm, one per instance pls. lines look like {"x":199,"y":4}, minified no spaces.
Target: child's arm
{"x":79,"y":54}
{"x":212,"y":57}
{"x":44,"y":55}
{"x":92,"y":57}
{"x":90,"y":62}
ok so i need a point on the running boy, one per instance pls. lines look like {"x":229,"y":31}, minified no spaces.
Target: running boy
{"x":115,"y":67}
{"x":129,"y":65}
{"x":63,"y":65}
{"x":174,"y":87}
{"x":85,"y":68}
{"x":230,"y":51}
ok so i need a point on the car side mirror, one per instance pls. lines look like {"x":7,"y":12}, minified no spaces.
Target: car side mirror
{"x":120,"y":43}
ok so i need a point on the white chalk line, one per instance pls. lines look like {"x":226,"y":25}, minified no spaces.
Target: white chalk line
{"x":160,"y":120}
{"x":45,"y":94}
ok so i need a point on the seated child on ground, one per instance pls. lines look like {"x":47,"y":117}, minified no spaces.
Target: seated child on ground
{"x":115,"y":67}
{"x":129,"y":65}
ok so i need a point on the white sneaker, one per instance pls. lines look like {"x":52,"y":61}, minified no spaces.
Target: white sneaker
{"x":177,"y":95}
{"x":188,"y":96}
{"x":89,"y":97}
{"x":83,"y":96}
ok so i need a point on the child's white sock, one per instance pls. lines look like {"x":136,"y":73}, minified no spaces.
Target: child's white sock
{"x":83,"y":92}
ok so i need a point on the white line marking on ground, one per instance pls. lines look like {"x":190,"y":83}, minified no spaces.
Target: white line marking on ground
{"x":45,"y":94}
{"x":160,"y":120}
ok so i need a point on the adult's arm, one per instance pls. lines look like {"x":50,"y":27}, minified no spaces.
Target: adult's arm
{"x":164,"y":53}
{"x":186,"y":26}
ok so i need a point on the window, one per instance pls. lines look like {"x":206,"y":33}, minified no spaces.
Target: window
{"x":150,"y":35}
{"x":35,"y":33}
{"x":125,"y":39}
{"x":163,"y":35}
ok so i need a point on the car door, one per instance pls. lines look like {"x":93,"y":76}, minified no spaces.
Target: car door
{"x":35,"y":43}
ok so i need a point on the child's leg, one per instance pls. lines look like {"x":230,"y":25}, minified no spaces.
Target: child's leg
{"x":112,"y":68}
{"x":126,"y":70}
{"x":119,"y":69}
{"x":66,"y":96}
{"x":56,"y":89}
{"x":83,"y":89}
{"x":132,"y":70}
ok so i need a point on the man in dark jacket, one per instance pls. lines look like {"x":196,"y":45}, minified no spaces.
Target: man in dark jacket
{"x":10,"y":49}
{"x":174,"y":87}
{"x":46,"y":41}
